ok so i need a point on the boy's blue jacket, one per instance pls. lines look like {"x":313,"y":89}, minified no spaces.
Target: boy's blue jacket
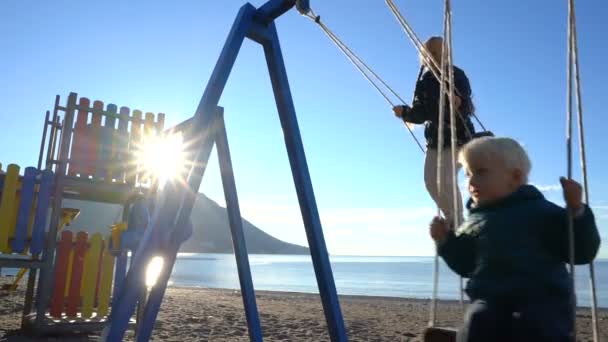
{"x":519,"y":246}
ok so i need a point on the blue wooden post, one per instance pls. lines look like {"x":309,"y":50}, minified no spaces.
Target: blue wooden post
{"x":47,"y":180}
{"x":120,"y":271}
{"x":238,"y":238}
{"x":236,"y":228}
{"x":169,"y":255}
{"x":125,"y":300}
{"x":25,"y":208}
{"x":146,"y":325}
{"x":303,"y":183}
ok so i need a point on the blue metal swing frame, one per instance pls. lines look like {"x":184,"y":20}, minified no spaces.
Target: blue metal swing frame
{"x":170,"y":222}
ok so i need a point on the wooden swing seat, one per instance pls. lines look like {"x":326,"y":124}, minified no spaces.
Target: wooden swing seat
{"x":439,"y":334}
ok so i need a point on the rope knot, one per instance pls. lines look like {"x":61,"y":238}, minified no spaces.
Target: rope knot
{"x":317,"y":19}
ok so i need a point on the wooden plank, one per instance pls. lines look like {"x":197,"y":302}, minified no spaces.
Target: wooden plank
{"x":47,"y":179}
{"x":160,"y":126}
{"x":149,"y":126}
{"x":20,"y":263}
{"x":160,"y":123}
{"x":90,"y":273}
{"x":149,"y":135}
{"x":8,"y":206}
{"x":30,"y":224}
{"x":13,"y":217}
{"x":98,"y":276}
{"x":74,"y":299}
{"x":122,"y":144}
{"x":105,"y":285}
{"x":78,"y":155}
{"x":25,"y":208}
{"x":134,"y":147}
{"x":106,"y":140}
{"x":29,"y":294}
{"x":118,"y":248}
{"x":67,"y":327}
{"x":68,"y":275}
{"x":94,"y":129}
{"x":64,"y":248}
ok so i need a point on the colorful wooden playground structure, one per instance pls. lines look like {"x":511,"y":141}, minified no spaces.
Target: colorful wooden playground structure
{"x":92,"y":153}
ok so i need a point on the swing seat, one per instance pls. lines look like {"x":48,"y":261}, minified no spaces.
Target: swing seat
{"x":439,"y":334}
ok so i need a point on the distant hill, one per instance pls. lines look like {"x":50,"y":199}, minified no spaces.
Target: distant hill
{"x":211,"y":229}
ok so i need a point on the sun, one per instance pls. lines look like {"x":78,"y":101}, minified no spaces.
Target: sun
{"x":162,"y":157}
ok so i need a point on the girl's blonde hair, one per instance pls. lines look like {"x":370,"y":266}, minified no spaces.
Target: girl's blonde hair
{"x":434,"y":46}
{"x":506,"y":150}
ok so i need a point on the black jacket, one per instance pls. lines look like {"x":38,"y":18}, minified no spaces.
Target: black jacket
{"x":518,"y":246}
{"x":425,"y":109}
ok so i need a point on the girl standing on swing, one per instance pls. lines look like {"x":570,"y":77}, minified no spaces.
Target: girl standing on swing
{"x":425,"y":110}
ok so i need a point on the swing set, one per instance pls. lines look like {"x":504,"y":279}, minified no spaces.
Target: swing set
{"x":167,"y":226}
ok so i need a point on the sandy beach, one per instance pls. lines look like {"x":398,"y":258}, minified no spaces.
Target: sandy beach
{"x":189,"y":314}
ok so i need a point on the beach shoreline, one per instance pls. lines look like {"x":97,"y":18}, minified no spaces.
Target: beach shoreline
{"x":201,"y":314}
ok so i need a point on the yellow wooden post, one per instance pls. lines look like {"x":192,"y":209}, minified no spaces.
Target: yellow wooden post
{"x":89,"y":277}
{"x":8,"y":207}
{"x":105,"y":285}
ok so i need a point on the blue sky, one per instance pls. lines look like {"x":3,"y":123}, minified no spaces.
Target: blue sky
{"x":366,"y":170}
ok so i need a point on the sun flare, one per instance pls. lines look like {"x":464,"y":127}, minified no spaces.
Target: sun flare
{"x":163,"y":157}
{"x":153,"y":270}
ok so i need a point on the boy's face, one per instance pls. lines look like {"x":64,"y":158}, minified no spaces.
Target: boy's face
{"x":489,"y":180}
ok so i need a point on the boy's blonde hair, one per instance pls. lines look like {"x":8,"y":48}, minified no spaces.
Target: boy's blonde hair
{"x":508,"y":151}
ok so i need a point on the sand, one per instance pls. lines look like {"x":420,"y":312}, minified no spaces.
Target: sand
{"x":189,"y":314}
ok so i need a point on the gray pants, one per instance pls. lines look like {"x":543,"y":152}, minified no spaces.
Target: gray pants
{"x":443,"y":198}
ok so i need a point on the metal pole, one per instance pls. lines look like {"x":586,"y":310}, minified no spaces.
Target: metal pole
{"x":303,"y":183}
{"x":46,"y":274}
{"x":44,"y":128}
{"x":50,"y":153}
{"x":236,"y":228}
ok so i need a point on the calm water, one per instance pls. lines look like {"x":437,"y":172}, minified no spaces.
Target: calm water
{"x":369,"y":276}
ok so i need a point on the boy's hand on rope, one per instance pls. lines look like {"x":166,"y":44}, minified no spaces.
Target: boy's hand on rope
{"x":439,"y":229}
{"x":573,"y":194}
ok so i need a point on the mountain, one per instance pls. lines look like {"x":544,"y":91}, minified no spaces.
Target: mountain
{"x":211,"y":233}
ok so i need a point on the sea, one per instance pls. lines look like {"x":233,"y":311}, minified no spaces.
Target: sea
{"x":405,"y":277}
{"x":393,"y":276}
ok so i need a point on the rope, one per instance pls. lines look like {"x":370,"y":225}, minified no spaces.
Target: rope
{"x":455,"y":195}
{"x":362,"y":67}
{"x":442,"y":93}
{"x":426,"y":56}
{"x":452,"y":110}
{"x":569,"y":166}
{"x":573,"y":45}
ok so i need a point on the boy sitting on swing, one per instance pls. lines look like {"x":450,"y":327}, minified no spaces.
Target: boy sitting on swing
{"x":514,"y":247}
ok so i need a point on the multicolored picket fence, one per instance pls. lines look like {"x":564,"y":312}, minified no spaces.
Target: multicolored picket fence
{"x":84,"y":272}
{"x":24,"y":205}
